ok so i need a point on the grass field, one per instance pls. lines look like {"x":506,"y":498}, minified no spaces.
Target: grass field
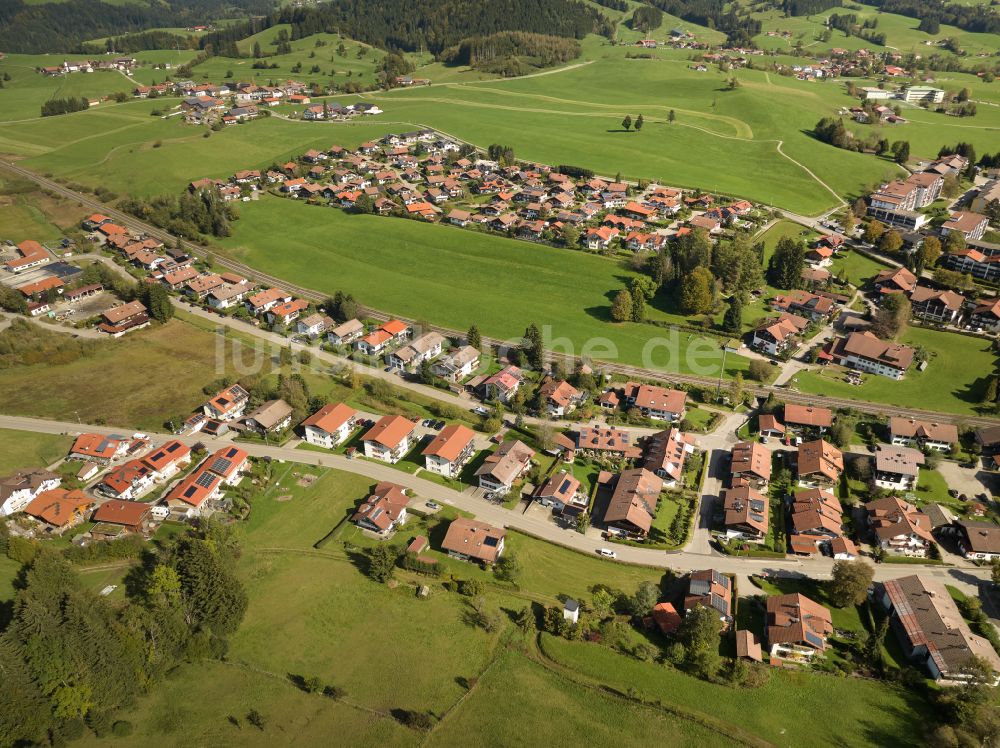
{"x":24,"y":449}
{"x":23,"y":95}
{"x":123,"y":383}
{"x":335,"y":68}
{"x":26,"y":212}
{"x":791,"y":709}
{"x":464,"y":277}
{"x":954,"y":380}
{"x":901,"y":33}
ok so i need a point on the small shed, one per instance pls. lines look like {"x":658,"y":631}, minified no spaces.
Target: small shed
{"x":747,"y":646}
{"x":571,"y":610}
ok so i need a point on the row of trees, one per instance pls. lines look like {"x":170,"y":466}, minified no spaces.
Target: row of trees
{"x":70,"y":659}
{"x":54,"y":107}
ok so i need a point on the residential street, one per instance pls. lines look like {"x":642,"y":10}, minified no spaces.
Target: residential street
{"x":965,"y":578}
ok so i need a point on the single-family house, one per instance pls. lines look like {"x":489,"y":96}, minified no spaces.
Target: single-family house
{"x":133,"y":516}
{"x":22,"y":487}
{"x":471,"y":540}
{"x":503,"y":467}
{"x":59,"y":509}
{"x":750,"y":463}
{"x":897,"y":468}
{"x":633,"y":502}
{"x":797,"y":627}
{"x":865,"y":352}
{"x":270,"y":417}
{"x":978,"y":541}
{"x":819,"y":464}
{"x":710,"y":589}
{"x":166,"y":460}
{"x":909,"y":432}
{"x":899,"y":527}
{"x":654,"y":402}
{"x":98,"y":448}
{"x":503,"y":385}
{"x":563,"y":492}
{"x":746,"y":513}
{"x":457,"y":364}
{"x":384,"y":510}
{"x":415,"y":353}
{"x":227,"y":405}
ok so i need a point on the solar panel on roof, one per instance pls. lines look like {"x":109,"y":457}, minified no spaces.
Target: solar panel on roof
{"x":205,"y":480}
{"x":219,"y":465}
{"x":813,"y":639}
{"x":491,"y":542}
{"x":172,"y":447}
{"x":565,"y":486}
{"x":757,"y":506}
{"x":191,"y":490}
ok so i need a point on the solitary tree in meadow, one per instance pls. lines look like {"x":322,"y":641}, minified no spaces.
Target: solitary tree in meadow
{"x":671,"y":116}
{"x":638,"y":123}
{"x":627,"y":122}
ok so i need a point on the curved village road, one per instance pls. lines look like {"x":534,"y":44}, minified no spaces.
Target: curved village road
{"x":533,"y":522}
{"x":628,"y":370}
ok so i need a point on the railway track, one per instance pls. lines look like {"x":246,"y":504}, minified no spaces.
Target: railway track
{"x":136,"y":224}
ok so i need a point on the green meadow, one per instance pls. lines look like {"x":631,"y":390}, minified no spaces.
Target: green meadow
{"x":954,"y":380}
{"x":23,"y":449}
{"x":451,"y":276}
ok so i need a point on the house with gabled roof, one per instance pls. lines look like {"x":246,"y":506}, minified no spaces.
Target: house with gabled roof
{"x":559,"y":396}
{"x":899,"y":527}
{"x":897,"y":468}
{"x":167,"y":459}
{"x":389,"y":439}
{"x":503,"y":467}
{"x":384,"y":511}
{"x":665,"y":454}
{"x":127,"y":481}
{"x":98,"y":448}
{"x":655,"y":402}
{"x":746,"y":513}
{"x":819,"y":464}
{"x":865,"y":352}
{"x":471,"y":540}
{"x":227,"y":405}
{"x":633,"y":502}
{"x":457,"y":364}
{"x":21,"y":488}
{"x":330,"y":425}
{"x":750,"y":462}
{"x":503,"y":385}
{"x":797,"y":627}
{"x":932,"y":631}
{"x":563,"y":492}
{"x":449,"y":450}
{"x":59,"y":509}
{"x":710,"y":589}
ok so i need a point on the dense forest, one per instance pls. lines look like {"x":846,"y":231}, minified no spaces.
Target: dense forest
{"x":71,"y":661}
{"x":64,"y":26}
{"x":977,"y":18}
{"x":507,"y":52}
{"x":808,"y":7}
{"x":426,"y":25}
{"x":738,"y":27}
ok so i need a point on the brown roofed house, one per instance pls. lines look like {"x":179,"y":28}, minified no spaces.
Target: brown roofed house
{"x":797,"y":627}
{"x":472,"y":540}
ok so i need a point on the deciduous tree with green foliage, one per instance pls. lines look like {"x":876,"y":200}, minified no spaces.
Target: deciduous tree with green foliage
{"x":892,"y":316}
{"x":627,"y":122}
{"x":849,"y":582}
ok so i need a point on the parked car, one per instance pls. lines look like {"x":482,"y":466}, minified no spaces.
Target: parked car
{"x":433,"y":505}
{"x":607,"y":553}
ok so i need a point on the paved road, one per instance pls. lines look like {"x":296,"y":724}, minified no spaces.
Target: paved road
{"x":535,"y":523}
{"x":631,"y":371}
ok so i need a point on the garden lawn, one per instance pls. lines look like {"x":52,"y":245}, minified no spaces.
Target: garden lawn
{"x":953,"y":382}
{"x":857,"y":267}
{"x":25,"y":449}
{"x":792,"y":709}
{"x":455,"y":277}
